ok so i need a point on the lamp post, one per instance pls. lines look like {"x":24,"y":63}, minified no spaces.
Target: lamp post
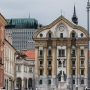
{"x":88,"y":7}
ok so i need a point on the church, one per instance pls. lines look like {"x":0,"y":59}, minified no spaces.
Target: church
{"x":61,"y":55}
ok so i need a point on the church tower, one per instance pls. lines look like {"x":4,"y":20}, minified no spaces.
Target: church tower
{"x":74,"y":18}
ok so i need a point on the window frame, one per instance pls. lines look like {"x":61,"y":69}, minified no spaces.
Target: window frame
{"x":61,"y":52}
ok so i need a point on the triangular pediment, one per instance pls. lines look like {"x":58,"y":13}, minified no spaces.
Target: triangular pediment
{"x":61,"y":18}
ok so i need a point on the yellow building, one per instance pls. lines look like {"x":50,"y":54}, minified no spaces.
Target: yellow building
{"x":61,"y":55}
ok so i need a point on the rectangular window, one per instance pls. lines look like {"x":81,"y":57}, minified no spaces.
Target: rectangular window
{"x":41,"y":52}
{"x":41,"y":63}
{"x":61,"y":53}
{"x":49,"y":72}
{"x":82,"y":52}
{"x":73,"y":81}
{"x":73,"y":72}
{"x":40,"y":81}
{"x":60,"y":64}
{"x":30,"y":69}
{"x":82,"y":72}
{"x":49,"y":81}
{"x":73,"y":63}
{"x":82,"y":81}
{"x":41,"y":72}
{"x":49,"y":63}
{"x":61,"y":35}
{"x":19,"y":68}
{"x":82,"y":63}
{"x":73,"y":53}
{"x":49,"y":52}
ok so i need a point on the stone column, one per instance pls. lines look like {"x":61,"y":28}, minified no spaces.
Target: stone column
{"x":86,"y":66}
{"x":27,"y":83}
{"x":36,"y":61}
{"x":54,"y":61}
{"x":45,"y":61}
{"x":45,"y":68}
{"x":68,"y":65}
{"x":22,"y":84}
{"x":78,"y":65}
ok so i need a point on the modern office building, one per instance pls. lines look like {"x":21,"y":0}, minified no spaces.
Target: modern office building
{"x":61,"y":55}
{"x":22,"y":30}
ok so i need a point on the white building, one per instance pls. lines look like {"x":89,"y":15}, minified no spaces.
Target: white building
{"x":9,"y":63}
{"x":25,"y":70}
{"x":61,"y":55}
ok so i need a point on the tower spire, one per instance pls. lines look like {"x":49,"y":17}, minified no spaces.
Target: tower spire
{"x":74,"y":18}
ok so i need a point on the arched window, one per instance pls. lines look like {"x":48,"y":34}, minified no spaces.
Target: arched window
{"x":49,"y":35}
{"x":30,"y":83}
{"x":73,"y":35}
{"x":81,"y":34}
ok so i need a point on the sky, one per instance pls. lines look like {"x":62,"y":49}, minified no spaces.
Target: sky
{"x":45,"y":11}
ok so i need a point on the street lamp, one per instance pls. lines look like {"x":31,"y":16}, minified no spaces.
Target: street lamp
{"x":88,"y":7}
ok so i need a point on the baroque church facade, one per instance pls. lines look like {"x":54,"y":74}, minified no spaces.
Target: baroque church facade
{"x":61,"y":55}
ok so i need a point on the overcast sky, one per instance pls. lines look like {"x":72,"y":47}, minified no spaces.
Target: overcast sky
{"x":45,"y":11}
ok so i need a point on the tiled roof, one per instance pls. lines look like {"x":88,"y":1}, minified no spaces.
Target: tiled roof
{"x":30,"y":54}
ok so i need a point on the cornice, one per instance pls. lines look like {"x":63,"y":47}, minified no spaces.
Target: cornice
{"x":3,"y":20}
{"x":58,"y":20}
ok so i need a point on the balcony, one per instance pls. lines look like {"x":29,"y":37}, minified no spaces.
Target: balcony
{"x":61,"y":55}
{"x":49,"y":57}
{"x":49,"y":65}
{"x":60,"y":65}
{"x":73,"y":65}
{"x":82,"y":65}
{"x":73,"y":55}
{"x":41,"y":65}
{"x":82,"y":56}
{"x":41,"y":57}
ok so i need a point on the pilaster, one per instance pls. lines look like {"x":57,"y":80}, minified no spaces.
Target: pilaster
{"x":77,"y":64}
{"x":36,"y":61}
{"x":86,"y":66}
{"x":68,"y":64}
{"x":22,"y":84}
{"x":45,"y":61}
{"x":86,"y":61}
{"x":54,"y":61}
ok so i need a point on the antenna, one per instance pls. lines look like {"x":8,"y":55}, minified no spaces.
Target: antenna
{"x":29,"y":15}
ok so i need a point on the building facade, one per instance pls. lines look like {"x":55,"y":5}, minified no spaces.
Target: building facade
{"x":61,"y":55}
{"x":3,"y":22}
{"x":25,"y":70}
{"x":22,"y":30}
{"x":9,"y":63}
